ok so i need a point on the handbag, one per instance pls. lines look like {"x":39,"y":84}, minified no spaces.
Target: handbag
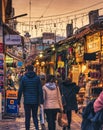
{"x":62,"y":119}
{"x":42,"y":118}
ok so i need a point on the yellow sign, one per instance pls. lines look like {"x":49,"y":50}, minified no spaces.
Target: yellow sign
{"x":60,"y":64}
{"x":93,"y":43}
{"x":9,"y":59}
{"x":12,"y":94}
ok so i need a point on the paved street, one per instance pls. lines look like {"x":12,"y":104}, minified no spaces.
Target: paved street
{"x":18,"y":123}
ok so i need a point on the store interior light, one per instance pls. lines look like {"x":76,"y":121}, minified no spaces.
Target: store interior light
{"x":40,"y":55}
{"x":53,"y":48}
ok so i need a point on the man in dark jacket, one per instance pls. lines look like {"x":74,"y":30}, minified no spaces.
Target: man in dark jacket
{"x":69,"y":91}
{"x":31,"y":88}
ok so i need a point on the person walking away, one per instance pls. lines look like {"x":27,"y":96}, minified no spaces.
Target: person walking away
{"x":31,"y":88}
{"x":52,"y":101}
{"x":10,"y":83}
{"x":42,"y":78}
{"x":69,"y":91}
{"x":98,"y":106}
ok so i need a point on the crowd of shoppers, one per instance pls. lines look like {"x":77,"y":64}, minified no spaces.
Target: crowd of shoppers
{"x":47,"y":91}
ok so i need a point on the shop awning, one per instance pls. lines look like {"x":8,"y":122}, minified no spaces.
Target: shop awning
{"x":9,"y":30}
{"x":14,"y":56}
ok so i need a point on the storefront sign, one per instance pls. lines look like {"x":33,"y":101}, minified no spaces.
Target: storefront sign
{"x":1,"y":47}
{"x":60,"y":64}
{"x":11,"y":102}
{"x":9,"y":59}
{"x":20,"y":63}
{"x":12,"y":40}
{"x":75,"y":73}
{"x":93,"y":43}
{"x":12,"y":94}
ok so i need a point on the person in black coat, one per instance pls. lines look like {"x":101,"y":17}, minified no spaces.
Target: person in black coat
{"x":69,"y":90}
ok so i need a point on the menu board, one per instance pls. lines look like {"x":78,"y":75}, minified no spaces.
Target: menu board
{"x":93,"y":42}
{"x":75,"y":73}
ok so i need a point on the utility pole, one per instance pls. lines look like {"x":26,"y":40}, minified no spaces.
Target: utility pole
{"x":29,"y":15}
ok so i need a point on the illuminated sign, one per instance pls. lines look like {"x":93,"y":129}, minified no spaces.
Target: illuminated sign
{"x":93,"y":42}
{"x":12,"y":94}
{"x":12,"y":39}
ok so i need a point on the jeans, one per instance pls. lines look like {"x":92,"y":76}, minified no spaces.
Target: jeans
{"x":51,"y":118}
{"x":31,"y":108}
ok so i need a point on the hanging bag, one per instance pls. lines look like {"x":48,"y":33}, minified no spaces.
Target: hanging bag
{"x":61,"y":116}
{"x":42,"y":118}
{"x":62,"y":119}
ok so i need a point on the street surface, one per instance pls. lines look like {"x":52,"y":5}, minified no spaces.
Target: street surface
{"x":18,"y":123}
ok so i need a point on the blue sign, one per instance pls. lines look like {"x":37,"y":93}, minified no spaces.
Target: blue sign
{"x":20,"y":63}
{"x":11,"y":107}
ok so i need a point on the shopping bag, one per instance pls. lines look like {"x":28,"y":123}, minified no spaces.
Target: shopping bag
{"x":62,"y":119}
{"x":42,"y":120}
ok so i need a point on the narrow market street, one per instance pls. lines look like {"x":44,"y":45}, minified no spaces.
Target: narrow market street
{"x":52,"y":52}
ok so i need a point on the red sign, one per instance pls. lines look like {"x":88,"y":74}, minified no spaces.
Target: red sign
{"x":1,"y":48}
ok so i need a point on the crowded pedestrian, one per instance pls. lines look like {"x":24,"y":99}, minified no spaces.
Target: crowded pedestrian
{"x":31,"y":88}
{"x":69,"y":91}
{"x":10,"y":83}
{"x":42,"y":78}
{"x":52,"y":101}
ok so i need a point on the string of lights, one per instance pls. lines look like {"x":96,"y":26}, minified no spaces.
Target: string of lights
{"x":67,"y":13}
{"x":56,"y":24}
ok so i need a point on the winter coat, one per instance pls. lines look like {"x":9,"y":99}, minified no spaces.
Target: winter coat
{"x":52,"y":98}
{"x":69,"y":90}
{"x":91,"y":120}
{"x":98,"y":104}
{"x":30,"y":86}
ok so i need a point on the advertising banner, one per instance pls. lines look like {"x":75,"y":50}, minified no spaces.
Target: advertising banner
{"x":11,"y":102}
{"x":12,"y":39}
{"x":93,"y":43}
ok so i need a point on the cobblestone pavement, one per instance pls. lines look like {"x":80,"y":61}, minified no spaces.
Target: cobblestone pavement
{"x":18,"y":123}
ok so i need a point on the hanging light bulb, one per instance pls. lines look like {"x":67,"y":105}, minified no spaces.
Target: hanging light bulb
{"x":35,"y":27}
{"x":54,"y":24}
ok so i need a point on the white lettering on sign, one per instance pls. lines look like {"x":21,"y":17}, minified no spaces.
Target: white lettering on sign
{"x":12,"y":39}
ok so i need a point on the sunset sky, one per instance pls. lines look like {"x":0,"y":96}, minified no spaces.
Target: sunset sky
{"x":40,"y":10}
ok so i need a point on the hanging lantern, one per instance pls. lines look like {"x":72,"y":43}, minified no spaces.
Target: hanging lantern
{"x":54,"y":24}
